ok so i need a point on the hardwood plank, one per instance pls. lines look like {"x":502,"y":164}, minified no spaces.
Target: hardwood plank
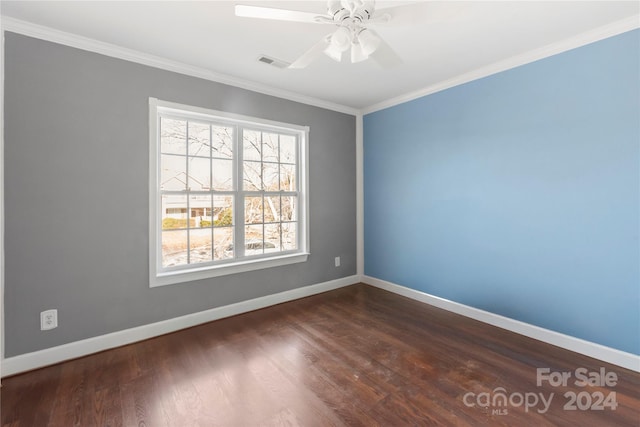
{"x":140,"y":403}
{"x":353,"y":356}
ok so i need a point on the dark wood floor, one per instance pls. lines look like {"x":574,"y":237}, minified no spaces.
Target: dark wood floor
{"x":354,"y":356}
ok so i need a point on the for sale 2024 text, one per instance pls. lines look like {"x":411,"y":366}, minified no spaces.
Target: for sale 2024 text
{"x":582,"y":377}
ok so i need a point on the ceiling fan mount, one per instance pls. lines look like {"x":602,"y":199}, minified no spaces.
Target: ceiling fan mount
{"x":354,"y":11}
{"x":352,"y":17}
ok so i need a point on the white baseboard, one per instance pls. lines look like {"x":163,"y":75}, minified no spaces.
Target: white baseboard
{"x":597,"y":351}
{"x":38,"y":359}
{"x":50,"y":356}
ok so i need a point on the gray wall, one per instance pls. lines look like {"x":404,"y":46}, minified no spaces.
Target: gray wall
{"x":76,"y":188}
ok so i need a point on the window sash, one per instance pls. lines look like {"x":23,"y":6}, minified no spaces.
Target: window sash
{"x":241,"y":261}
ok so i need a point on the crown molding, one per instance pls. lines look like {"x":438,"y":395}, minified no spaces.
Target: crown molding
{"x":73,"y":40}
{"x":591,"y":36}
{"x":92,"y":45}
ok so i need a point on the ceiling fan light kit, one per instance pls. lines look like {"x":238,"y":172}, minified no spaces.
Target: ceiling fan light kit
{"x":351,"y":17}
{"x":340,"y":41}
{"x":357,"y":54}
{"x":368,"y":41}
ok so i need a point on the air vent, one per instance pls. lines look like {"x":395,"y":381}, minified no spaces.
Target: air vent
{"x":278,"y":63}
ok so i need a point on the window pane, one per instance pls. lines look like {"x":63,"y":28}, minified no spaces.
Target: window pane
{"x":289,"y":208}
{"x":270,"y":147}
{"x":222,"y":143}
{"x":289,"y":236}
{"x":199,"y":144}
{"x":271,"y":208}
{"x":199,"y":174}
{"x":251,"y":176}
{"x":173,"y":136}
{"x":174,"y":248}
{"x":223,"y":243}
{"x":253,"y":210}
{"x":251,"y":143}
{"x":222,"y":175}
{"x":288,"y":177}
{"x":287,"y":149}
{"x":200,"y":210}
{"x":222,"y":211}
{"x":272,"y":238}
{"x":270,"y":176}
{"x":253,"y":243}
{"x":174,"y":212}
{"x":200,"y":245}
{"x":211,"y":166}
{"x":173,"y":175}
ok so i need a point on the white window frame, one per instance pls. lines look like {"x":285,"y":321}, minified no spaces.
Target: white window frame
{"x":159,"y":276}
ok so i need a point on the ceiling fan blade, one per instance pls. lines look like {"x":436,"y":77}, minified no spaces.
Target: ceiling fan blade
{"x":384,"y":55}
{"x":278,"y":14}
{"x":419,"y":13}
{"x":312,"y":54}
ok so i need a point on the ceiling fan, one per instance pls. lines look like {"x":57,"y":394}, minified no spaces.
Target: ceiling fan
{"x":352,"y":17}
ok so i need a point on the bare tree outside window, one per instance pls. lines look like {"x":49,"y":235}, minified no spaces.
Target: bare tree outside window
{"x":270,"y":169}
{"x":199,"y":161}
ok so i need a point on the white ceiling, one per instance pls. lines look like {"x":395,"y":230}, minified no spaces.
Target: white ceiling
{"x":438,"y":41}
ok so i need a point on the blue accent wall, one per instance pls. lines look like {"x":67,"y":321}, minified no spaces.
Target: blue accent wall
{"x":518,"y":193}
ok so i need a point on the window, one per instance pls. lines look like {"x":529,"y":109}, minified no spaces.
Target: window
{"x":227,"y":193}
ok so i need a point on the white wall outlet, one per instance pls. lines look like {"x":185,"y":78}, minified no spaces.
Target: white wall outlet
{"x":337,"y":260}
{"x":48,"y":320}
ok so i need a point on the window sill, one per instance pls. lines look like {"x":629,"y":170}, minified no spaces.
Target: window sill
{"x":182,"y":276}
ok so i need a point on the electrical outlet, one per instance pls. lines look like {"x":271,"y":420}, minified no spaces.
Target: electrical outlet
{"x":337,"y":261}
{"x":48,"y":320}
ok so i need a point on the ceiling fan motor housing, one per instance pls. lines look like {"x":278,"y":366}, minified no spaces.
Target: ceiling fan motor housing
{"x":357,"y":11}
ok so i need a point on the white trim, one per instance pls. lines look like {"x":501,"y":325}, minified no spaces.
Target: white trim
{"x":208,"y":114}
{"x":359,"y":195}
{"x":38,"y":359}
{"x":1,"y":201}
{"x":154,"y":203}
{"x":108,"y":49}
{"x":85,"y":43}
{"x":160,"y":277}
{"x":597,"y":351}
{"x":189,"y":275}
{"x":588,"y":37}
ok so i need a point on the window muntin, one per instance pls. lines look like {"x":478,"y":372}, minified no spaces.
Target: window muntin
{"x":226,"y":193}
{"x":269,"y":176}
